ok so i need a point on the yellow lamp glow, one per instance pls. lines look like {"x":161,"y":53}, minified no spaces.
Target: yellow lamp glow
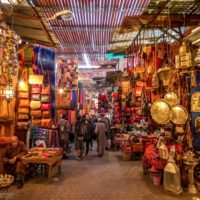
{"x":61,"y":91}
{"x":22,"y":84}
{"x":9,"y":92}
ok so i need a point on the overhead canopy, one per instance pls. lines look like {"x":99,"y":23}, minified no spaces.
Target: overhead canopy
{"x":29,"y":25}
{"x":90,"y":31}
{"x":160,"y":18}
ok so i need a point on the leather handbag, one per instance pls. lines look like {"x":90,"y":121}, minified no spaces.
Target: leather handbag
{"x":35,"y":97}
{"x":45,"y":106}
{"x":36,"y":113}
{"x":22,"y":125}
{"x":23,"y":116}
{"x":138,"y":91}
{"x":46,"y":122}
{"x":36,"y":122}
{"x":23,"y":110}
{"x":45,"y":98}
{"x":140,"y":83}
{"x":24,"y":103}
{"x":23,"y":95}
{"x":36,"y":89}
{"x":46,"y":114}
{"x":139,"y":69}
{"x":35,"y":79}
{"x":46,"y":89}
{"x":35,"y":105}
{"x":23,"y":88}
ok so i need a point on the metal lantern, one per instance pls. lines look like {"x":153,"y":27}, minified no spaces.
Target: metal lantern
{"x":165,"y":75}
{"x":9,"y":92}
{"x":172,"y":180}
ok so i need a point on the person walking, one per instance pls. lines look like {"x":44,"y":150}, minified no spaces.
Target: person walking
{"x":88,"y":135}
{"x":100,"y":130}
{"x":80,"y":131}
{"x":64,"y":130}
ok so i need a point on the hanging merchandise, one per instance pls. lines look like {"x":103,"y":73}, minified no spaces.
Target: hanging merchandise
{"x":195,"y":102}
{"x":35,"y":97}
{"x":35,"y":79}
{"x":155,"y":81}
{"x":125,"y":87}
{"x":197,"y":125}
{"x":165,"y":74}
{"x":36,"y":89}
{"x":179,"y":115}
{"x":160,"y":112}
{"x":35,"y":105}
{"x":162,"y":149}
{"x":172,"y":98}
{"x":23,"y":95}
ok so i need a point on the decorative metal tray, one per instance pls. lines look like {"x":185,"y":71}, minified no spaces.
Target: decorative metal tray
{"x":6,"y":180}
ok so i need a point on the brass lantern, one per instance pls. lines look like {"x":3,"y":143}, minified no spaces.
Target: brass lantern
{"x":165,"y":75}
{"x":172,"y":180}
{"x":9,"y":92}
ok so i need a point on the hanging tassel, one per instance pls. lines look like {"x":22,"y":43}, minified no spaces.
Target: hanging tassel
{"x":193,"y":79}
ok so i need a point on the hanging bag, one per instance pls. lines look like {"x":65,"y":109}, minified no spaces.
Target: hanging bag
{"x":45,"y":106}
{"x":36,"y":89}
{"x":36,"y":79}
{"x":24,"y":103}
{"x":23,"y":95}
{"x":35,"y":105}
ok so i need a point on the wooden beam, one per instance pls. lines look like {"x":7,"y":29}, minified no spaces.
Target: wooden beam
{"x":172,"y":36}
{"x":43,"y":27}
{"x":178,"y":32}
{"x":34,"y":41}
{"x":22,"y":16}
{"x":24,"y":27}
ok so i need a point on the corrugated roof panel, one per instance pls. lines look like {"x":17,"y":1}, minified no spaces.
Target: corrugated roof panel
{"x":92,"y":24}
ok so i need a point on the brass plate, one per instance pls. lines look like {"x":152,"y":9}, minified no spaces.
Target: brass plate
{"x":197,"y":125}
{"x":160,"y":111}
{"x":172,"y":98}
{"x":179,"y":115}
{"x":195,"y":102}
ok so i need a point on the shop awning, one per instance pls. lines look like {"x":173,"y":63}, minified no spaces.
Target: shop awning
{"x":30,"y":25}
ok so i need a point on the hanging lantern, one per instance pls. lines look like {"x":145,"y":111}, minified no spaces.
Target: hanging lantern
{"x":172,"y":180}
{"x":165,"y":75}
{"x":9,"y":92}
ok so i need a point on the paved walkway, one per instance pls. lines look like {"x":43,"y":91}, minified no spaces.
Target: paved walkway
{"x":107,"y":178}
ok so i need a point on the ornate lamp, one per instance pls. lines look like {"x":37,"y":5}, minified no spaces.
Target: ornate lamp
{"x":9,"y":92}
{"x":172,"y":180}
{"x":165,"y":75}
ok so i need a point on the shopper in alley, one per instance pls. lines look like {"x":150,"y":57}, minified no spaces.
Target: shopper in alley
{"x":100,"y":130}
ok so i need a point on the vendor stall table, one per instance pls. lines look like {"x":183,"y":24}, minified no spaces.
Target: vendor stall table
{"x":50,"y":157}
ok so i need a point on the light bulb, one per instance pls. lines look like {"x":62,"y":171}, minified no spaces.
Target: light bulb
{"x":21,"y":84}
{"x":61,"y":91}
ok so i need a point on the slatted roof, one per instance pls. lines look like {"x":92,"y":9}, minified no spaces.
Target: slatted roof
{"x":91,"y":29}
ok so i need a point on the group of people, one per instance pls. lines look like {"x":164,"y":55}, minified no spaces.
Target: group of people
{"x":86,"y":129}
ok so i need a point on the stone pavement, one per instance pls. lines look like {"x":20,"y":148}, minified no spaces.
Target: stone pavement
{"x":94,"y":178}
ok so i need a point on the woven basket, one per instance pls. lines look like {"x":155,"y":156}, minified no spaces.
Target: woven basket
{"x":126,"y":156}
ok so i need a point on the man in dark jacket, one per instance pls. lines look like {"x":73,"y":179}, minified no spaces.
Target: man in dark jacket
{"x":11,"y":160}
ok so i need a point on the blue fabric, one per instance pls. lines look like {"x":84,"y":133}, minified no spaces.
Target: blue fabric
{"x":46,"y":57}
{"x":196,"y":141}
{"x":74,"y":98}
